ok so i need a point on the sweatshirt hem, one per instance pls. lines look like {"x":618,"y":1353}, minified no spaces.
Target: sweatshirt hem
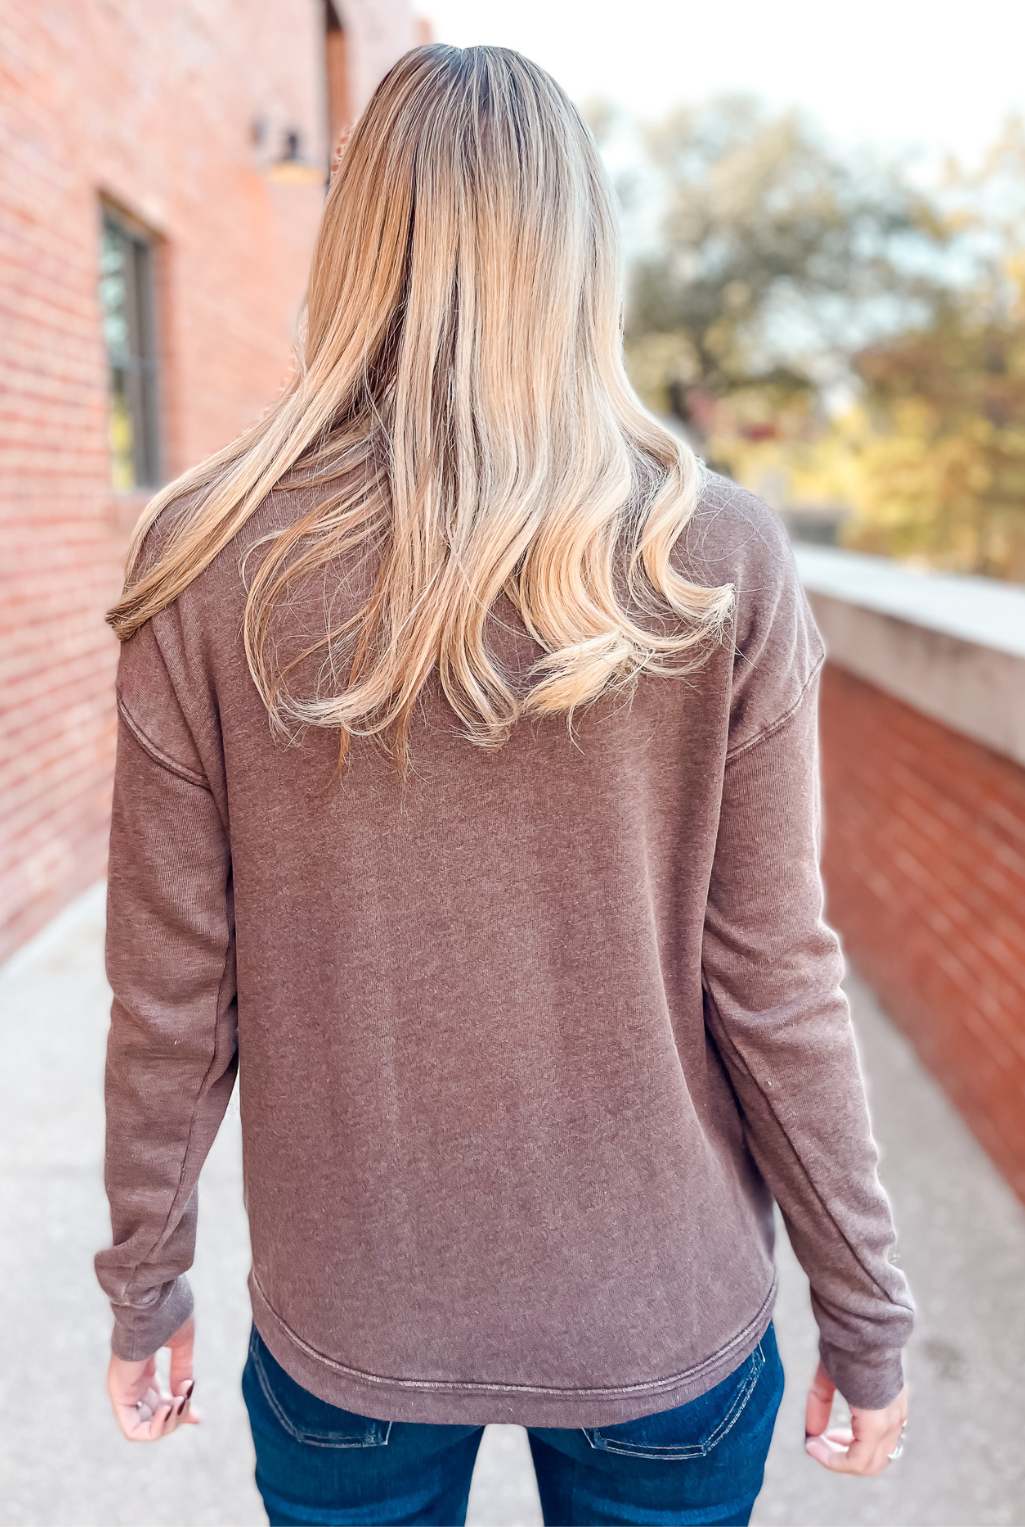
{"x":473,"y":1402}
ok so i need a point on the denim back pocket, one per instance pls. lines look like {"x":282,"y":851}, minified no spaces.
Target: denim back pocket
{"x":688,"y":1431}
{"x":305,"y":1417}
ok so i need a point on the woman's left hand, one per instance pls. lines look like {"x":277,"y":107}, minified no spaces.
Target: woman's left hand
{"x":144,"y":1413}
{"x":868,"y":1446}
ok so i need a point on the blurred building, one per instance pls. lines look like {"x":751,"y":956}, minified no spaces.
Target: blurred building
{"x":162,"y":172}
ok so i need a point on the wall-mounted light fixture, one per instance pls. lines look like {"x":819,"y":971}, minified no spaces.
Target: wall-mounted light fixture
{"x":292,"y":166}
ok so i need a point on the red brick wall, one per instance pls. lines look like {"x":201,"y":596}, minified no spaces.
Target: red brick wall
{"x":153,"y":107}
{"x":925,"y":871}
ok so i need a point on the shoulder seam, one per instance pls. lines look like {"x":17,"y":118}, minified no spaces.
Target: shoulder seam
{"x":157,"y":754}
{"x":781,"y":721}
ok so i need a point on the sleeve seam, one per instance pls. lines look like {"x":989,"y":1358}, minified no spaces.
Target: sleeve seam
{"x":158,"y":756}
{"x":781,"y":721}
{"x":204,"y":1088}
{"x":799,"y":1160}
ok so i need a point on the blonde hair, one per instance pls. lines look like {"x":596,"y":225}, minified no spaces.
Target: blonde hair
{"x":460,"y":399}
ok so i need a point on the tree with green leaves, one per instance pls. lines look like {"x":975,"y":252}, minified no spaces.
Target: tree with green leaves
{"x":783,"y":269}
{"x":776,"y":257}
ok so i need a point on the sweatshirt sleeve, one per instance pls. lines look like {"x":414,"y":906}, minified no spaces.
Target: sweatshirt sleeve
{"x":172,"y":1051}
{"x":775,"y":1008}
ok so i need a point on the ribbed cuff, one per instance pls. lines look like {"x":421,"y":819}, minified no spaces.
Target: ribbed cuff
{"x":869,"y":1381}
{"x":141,"y":1331}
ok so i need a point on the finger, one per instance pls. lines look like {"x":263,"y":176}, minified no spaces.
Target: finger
{"x":888,"y":1445}
{"x":130,"y":1421}
{"x":189,"y":1415}
{"x":820,"y":1403}
{"x":861,"y":1456}
{"x":146,"y":1405}
{"x":823,"y":1449}
{"x":878,"y":1434}
{"x":182,"y":1380}
{"x":165,"y":1421}
{"x":182,"y":1345}
{"x":140,"y":1425}
{"x":133,"y":1416}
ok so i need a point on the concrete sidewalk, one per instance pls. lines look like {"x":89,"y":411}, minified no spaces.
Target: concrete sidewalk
{"x":62,"y":1462}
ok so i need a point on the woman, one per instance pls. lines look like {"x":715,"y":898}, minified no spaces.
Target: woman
{"x":466,"y":802}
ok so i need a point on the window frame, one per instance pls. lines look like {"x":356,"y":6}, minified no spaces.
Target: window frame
{"x":133,"y":370}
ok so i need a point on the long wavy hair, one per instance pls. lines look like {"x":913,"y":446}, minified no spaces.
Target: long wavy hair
{"x":459,"y":401}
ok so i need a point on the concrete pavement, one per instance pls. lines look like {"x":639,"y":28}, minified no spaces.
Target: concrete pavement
{"x":62,"y":1462}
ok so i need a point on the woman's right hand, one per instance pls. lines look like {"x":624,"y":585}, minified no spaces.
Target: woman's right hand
{"x":866,"y":1447}
{"x":144,"y":1412}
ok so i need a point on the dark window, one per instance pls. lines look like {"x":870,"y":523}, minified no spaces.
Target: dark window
{"x":126,"y":296}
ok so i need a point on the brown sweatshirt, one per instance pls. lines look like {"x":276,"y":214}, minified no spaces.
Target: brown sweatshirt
{"x":526,"y":1049}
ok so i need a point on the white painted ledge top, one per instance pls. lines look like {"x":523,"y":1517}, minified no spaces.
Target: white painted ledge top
{"x":980,"y":610}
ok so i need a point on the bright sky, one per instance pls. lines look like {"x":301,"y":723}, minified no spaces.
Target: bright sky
{"x":892,"y":73}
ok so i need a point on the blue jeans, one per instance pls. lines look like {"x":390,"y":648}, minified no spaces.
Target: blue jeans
{"x":701,"y":1462}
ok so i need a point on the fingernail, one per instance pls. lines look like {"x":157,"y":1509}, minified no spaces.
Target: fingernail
{"x":191,"y":1387}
